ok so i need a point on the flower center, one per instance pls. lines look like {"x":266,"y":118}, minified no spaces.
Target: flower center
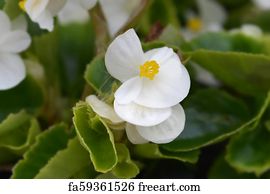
{"x":149,"y":69}
{"x":194,"y":24}
{"x":22,"y":4}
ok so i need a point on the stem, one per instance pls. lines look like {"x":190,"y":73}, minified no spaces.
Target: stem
{"x":138,"y":13}
{"x":101,"y":39}
{"x":100,"y":28}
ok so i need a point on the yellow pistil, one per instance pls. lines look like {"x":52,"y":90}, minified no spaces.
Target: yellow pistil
{"x":149,"y":69}
{"x":194,"y":24}
{"x":22,"y":4}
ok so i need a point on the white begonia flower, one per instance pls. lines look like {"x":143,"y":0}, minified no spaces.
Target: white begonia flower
{"x":116,"y":12}
{"x":153,"y":84}
{"x":42,"y":11}
{"x":13,"y":40}
{"x":262,"y":4}
{"x":248,"y":30}
{"x":211,"y":19}
{"x":162,"y":133}
{"x":76,"y":11}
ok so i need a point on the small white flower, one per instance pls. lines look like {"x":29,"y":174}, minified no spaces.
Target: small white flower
{"x":116,"y":12}
{"x":76,"y":11}
{"x":211,"y":19}
{"x":153,"y":84}
{"x":249,"y":30}
{"x":13,"y":40}
{"x":42,"y":11}
{"x":262,"y":4}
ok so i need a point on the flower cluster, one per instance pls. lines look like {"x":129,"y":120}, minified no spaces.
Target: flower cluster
{"x":116,"y":12}
{"x":13,"y":40}
{"x":153,"y":84}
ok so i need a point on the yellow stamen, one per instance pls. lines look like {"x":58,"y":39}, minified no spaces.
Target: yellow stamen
{"x":22,"y":4}
{"x":194,"y":24}
{"x":149,"y":69}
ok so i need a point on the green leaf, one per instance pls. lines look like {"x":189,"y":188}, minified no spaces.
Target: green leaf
{"x":95,"y":137}
{"x":98,"y":77}
{"x":47,"y":145}
{"x":150,"y":17}
{"x":171,"y":36}
{"x":245,"y":73}
{"x":153,"y":151}
{"x":86,"y":172}
{"x":125,"y":167}
{"x":67,"y":163}
{"x":27,"y":95}
{"x":222,"y":41}
{"x":267,"y":125}
{"x":64,"y":54}
{"x":17,"y":134}
{"x":2,"y":4}
{"x":249,"y":152}
{"x":211,"y":116}
{"x":222,"y":170}
{"x":76,"y":49}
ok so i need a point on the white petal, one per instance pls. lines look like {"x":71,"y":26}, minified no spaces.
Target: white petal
{"x":211,"y":12}
{"x":19,"y":23}
{"x":45,"y":21}
{"x":168,"y":130}
{"x":5,"y":24}
{"x":35,"y":8}
{"x":140,"y":115}
{"x":103,"y":109}
{"x":15,"y":41}
{"x":73,"y":12}
{"x":124,"y":56}
{"x":12,"y":71}
{"x":170,"y":86}
{"x":262,"y":4}
{"x":251,"y":30}
{"x":118,"y":12}
{"x":88,"y":4}
{"x":128,"y":91}
{"x":160,"y":55}
{"x":54,"y":6}
{"x":133,"y":135}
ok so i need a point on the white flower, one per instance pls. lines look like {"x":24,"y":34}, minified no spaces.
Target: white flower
{"x":161,"y":133}
{"x":116,"y":12}
{"x":211,"y":19}
{"x":262,"y":4}
{"x":13,"y":40}
{"x":249,"y":30}
{"x":42,"y":11}
{"x":76,"y":11}
{"x":153,"y":84}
